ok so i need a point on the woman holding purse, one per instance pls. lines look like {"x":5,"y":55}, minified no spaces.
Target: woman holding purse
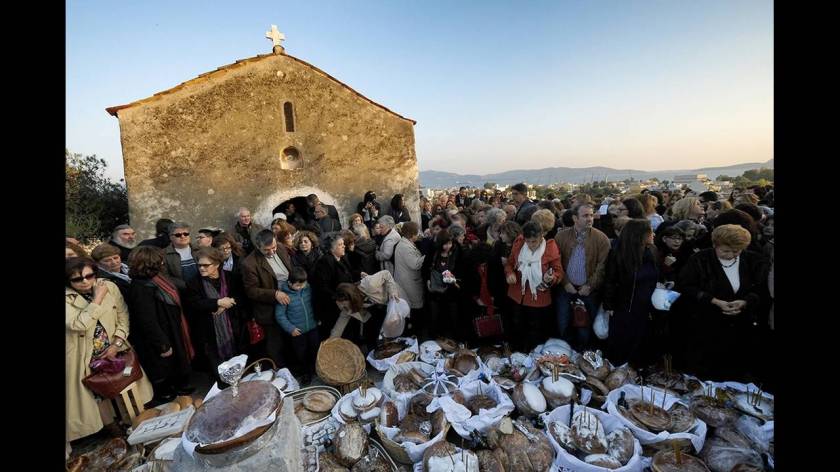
{"x":531,"y":270}
{"x":96,"y":328}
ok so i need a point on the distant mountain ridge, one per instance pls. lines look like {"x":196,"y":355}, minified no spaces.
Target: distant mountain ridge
{"x":550,"y":175}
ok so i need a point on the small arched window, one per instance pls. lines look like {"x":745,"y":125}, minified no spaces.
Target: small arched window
{"x":289,"y":113}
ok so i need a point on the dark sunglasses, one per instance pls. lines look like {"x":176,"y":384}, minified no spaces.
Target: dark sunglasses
{"x":205,"y":265}
{"x":180,"y":235}
{"x":83,"y":277}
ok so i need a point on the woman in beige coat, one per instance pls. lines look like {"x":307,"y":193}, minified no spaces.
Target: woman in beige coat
{"x":96,"y":323}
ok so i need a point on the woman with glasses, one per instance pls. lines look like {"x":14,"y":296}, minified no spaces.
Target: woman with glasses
{"x":212,"y":302}
{"x":159,"y":330}
{"x":96,"y":328}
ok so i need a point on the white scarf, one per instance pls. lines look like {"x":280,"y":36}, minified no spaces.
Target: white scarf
{"x":530,"y":266}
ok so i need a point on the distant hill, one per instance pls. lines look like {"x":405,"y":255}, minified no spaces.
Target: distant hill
{"x":549,"y":175}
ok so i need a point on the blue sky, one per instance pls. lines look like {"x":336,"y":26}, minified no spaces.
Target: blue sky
{"x":493,"y":85}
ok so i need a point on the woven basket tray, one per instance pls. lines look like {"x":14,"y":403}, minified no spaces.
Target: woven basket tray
{"x":340,"y":362}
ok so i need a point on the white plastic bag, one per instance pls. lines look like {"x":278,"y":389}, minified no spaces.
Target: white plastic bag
{"x":663,"y":297}
{"x":382,"y":365}
{"x":394,"y":323}
{"x":460,"y":416}
{"x":564,"y":461}
{"x":697,"y":433}
{"x":601,"y":325}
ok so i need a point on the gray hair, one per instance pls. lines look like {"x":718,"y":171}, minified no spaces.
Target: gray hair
{"x":361,"y":231}
{"x":118,"y":229}
{"x":178,"y":224}
{"x":240,"y":211}
{"x":495,"y":216}
{"x":332,"y":239}
{"x":457,"y":231}
{"x":387,"y":221}
{"x":264,"y":238}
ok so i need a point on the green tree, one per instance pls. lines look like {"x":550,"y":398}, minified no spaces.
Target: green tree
{"x":93,"y":205}
{"x":489,"y":185}
{"x":723,"y":177}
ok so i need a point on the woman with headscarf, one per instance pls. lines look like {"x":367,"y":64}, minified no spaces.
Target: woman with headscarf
{"x":724,"y":304}
{"x":159,"y":330}
{"x":531,"y":270}
{"x":631,"y":278}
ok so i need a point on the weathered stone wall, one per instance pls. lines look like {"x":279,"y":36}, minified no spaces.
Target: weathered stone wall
{"x":200,"y":152}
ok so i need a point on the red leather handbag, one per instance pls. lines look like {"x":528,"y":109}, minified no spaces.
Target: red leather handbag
{"x":108,"y":384}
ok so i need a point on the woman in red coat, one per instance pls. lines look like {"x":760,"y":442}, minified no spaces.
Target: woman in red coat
{"x":531,"y":270}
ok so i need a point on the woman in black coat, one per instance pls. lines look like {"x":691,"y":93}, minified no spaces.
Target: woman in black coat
{"x":631,"y":277}
{"x":723,"y":308}
{"x":444,"y":298}
{"x":212,"y":300}
{"x":332,"y":269}
{"x":398,"y":210}
{"x":307,"y":252}
{"x":159,"y":330}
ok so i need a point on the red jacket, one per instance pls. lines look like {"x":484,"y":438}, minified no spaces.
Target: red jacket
{"x":550,"y":258}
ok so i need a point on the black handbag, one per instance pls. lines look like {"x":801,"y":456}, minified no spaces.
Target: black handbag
{"x":436,"y":283}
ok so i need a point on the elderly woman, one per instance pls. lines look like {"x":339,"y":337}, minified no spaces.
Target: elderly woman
{"x":110,"y":266}
{"x":212,"y":302}
{"x":96,"y":327}
{"x":159,"y":330}
{"x":362,"y":308}
{"x":724,"y":307}
{"x":232,"y":252}
{"x":364,"y":250}
{"x":332,"y":269}
{"x":531,"y":270}
{"x":72,"y":249}
{"x":488,"y":233}
{"x":688,"y":208}
{"x":408,"y":262}
{"x":630,"y":280}
{"x":307,"y":251}
{"x":390,"y":238}
{"x":545,"y":218}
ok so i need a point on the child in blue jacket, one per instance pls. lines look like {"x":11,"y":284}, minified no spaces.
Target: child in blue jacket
{"x":298,"y":319}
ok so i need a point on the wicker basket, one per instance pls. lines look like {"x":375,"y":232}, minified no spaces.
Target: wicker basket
{"x":340,"y":364}
{"x":396,"y":451}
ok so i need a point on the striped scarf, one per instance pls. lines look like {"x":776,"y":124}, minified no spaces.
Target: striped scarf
{"x":170,"y":295}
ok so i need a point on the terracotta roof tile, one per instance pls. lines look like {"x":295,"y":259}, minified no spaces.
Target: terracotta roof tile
{"x":240,"y":63}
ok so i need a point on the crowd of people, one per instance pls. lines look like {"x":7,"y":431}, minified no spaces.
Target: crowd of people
{"x":187,"y":300}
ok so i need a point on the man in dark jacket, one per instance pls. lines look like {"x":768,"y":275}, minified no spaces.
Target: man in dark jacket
{"x":325,"y":223}
{"x":161,"y":238}
{"x":524,"y":207}
{"x":123,"y":239}
{"x":263,"y":272}
{"x":245,"y":229}
{"x":178,"y":256}
{"x":313,"y":201}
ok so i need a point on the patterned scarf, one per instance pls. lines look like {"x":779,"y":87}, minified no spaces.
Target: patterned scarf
{"x":170,"y":295}
{"x":221,"y":322}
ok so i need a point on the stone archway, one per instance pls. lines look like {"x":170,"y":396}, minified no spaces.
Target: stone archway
{"x":262,"y":214}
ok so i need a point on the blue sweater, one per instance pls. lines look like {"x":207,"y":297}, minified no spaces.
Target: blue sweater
{"x":298,"y":313}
